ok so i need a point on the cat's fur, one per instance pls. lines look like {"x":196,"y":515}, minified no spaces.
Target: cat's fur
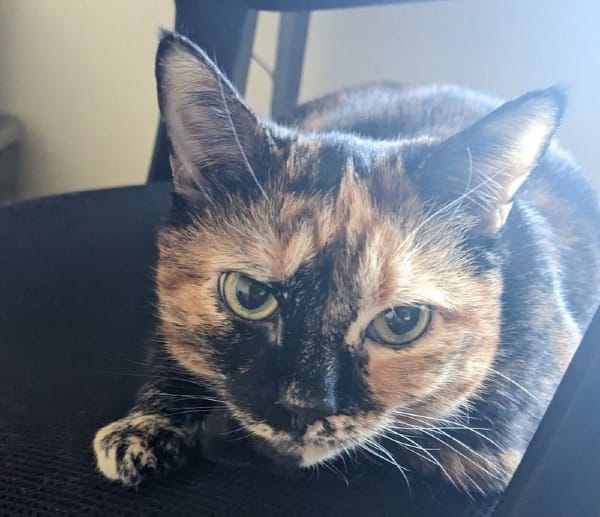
{"x":372,"y":198}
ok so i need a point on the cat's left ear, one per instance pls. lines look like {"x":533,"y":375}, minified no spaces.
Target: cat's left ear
{"x":482,"y":167}
{"x":214,"y":135}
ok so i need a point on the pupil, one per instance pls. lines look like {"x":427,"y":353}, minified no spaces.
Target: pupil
{"x":250,"y":294}
{"x":402,"y":319}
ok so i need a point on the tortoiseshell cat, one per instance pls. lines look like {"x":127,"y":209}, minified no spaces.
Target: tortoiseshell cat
{"x":402,"y":270}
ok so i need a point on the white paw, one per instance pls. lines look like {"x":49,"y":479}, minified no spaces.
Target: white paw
{"x":136,"y":447}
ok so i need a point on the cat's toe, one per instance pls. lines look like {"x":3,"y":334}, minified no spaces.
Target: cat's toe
{"x":135,"y":448}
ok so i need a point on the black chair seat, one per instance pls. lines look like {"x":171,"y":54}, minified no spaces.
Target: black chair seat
{"x":75,"y":308}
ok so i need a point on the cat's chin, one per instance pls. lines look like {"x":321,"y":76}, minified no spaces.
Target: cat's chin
{"x":315,"y":453}
{"x":224,"y":442}
{"x":292,"y":455}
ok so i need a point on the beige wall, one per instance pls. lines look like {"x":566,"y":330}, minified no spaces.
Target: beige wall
{"x":79,"y":73}
{"x":503,"y":46}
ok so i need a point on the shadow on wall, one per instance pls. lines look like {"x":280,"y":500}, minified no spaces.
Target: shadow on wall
{"x":10,"y":154}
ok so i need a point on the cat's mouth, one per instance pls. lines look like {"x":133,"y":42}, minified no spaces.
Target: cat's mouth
{"x":239,"y":441}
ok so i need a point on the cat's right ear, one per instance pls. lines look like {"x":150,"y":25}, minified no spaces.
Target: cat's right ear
{"x":213,"y":134}
{"x":482,"y":167}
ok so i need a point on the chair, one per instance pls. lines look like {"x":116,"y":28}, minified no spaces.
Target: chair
{"x":226,"y":30}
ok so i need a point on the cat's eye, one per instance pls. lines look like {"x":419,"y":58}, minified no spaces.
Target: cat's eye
{"x":399,"y":325}
{"x":246,"y":297}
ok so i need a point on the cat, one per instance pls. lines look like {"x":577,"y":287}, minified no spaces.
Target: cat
{"x":401,"y":270}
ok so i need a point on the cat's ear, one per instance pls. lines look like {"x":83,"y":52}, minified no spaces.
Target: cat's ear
{"x":482,"y":167}
{"x":213,"y":133}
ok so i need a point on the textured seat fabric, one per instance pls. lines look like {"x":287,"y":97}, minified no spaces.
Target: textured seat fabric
{"x":75,"y":308}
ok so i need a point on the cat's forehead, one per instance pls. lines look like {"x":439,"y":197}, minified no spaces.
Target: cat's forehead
{"x":328,"y":157}
{"x":374,"y":250}
{"x":319,"y":163}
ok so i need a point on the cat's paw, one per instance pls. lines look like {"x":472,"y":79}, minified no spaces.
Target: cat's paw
{"x":139,"y":446}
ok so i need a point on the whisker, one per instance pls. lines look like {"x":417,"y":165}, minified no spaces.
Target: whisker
{"x":428,"y":456}
{"x":470,"y":177}
{"x":179,"y":395}
{"x":422,"y":419}
{"x":237,"y":430}
{"x":207,"y":408}
{"x":431,"y":433}
{"x":263,"y":64}
{"x":487,"y":181}
{"x":149,"y":376}
{"x":388,"y":458}
{"x":335,"y":470}
{"x":192,"y":411}
{"x":513,"y":382}
{"x":478,"y":487}
{"x":238,"y":143}
{"x":495,"y":475}
{"x":445,"y":428}
{"x":249,"y":434}
{"x":149,"y":364}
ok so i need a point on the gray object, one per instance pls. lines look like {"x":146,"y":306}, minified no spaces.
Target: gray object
{"x":10,"y":137}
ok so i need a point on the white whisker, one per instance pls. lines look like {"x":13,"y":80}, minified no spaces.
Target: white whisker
{"x":387,"y":458}
{"x":423,"y":419}
{"x":425,"y":456}
{"x":466,"y":195}
{"x":238,"y":143}
{"x":335,"y":470}
{"x":513,"y":382}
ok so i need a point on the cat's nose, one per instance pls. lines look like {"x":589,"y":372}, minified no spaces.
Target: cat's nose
{"x":307,"y":411}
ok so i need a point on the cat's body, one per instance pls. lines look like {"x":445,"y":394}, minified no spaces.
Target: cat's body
{"x":287,"y":249}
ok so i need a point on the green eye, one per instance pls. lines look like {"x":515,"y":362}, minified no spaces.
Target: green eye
{"x":246,"y":297}
{"x":399,"y":325}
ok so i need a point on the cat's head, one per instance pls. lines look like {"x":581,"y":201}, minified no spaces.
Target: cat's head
{"x":328,"y":287}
